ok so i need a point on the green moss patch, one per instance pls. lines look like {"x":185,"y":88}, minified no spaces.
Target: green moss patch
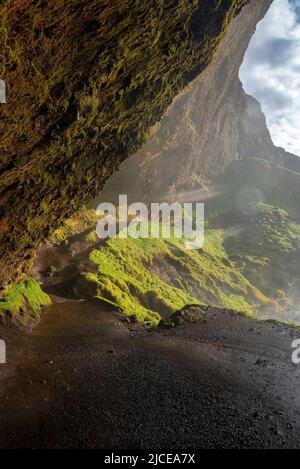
{"x":83,"y":220}
{"x":153,"y":278}
{"x":22,"y":302}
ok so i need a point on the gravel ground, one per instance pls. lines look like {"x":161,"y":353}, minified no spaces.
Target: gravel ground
{"x":85,"y":379}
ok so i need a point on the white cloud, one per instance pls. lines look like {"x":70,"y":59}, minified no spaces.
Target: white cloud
{"x":271,"y":72}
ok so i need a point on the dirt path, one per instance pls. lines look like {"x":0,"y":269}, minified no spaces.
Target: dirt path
{"x":86,"y":380}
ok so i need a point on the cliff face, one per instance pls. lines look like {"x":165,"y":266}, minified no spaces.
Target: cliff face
{"x":85,"y":80}
{"x":208,"y":127}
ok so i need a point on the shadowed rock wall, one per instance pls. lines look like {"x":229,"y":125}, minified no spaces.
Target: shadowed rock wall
{"x":85,"y":80}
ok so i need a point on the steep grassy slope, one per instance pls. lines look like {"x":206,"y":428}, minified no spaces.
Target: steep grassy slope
{"x":153,"y":278}
{"x":259,"y":208}
{"x":250,"y":260}
{"x":267,"y":251}
{"x":85,"y":82}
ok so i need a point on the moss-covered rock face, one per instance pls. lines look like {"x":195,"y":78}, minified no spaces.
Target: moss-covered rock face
{"x":85,"y":80}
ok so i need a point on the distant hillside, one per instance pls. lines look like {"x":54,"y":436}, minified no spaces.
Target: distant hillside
{"x":250,"y":261}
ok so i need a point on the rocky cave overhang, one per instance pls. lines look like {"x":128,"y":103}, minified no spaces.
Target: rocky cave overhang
{"x":85,"y":81}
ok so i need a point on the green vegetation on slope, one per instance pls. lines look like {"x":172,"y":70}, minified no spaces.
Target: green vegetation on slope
{"x":249,"y":262}
{"x":125,"y":279}
{"x":267,"y":251}
{"x":83,"y":220}
{"x":259,"y":211}
{"x":153,"y":278}
{"x":22,"y":302}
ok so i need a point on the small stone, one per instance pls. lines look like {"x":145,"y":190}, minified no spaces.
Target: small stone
{"x":50,"y":271}
{"x":133,"y":319}
{"x":262,"y":363}
{"x":166,"y":324}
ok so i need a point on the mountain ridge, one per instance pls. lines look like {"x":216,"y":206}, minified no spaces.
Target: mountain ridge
{"x":208,"y":127}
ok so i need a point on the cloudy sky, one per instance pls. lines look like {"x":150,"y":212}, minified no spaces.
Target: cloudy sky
{"x":271,"y":72}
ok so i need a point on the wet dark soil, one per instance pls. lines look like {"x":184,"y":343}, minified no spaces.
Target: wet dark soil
{"x":86,"y":379}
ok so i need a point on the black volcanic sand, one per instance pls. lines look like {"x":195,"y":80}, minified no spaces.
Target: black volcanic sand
{"x":85,"y":379}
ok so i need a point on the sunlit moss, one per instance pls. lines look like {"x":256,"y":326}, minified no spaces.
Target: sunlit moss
{"x":152,"y":278}
{"x":22,"y":302}
{"x":83,"y":220}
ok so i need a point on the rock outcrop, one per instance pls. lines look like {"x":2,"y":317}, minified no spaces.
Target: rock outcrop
{"x":85,"y":80}
{"x":211,"y":125}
